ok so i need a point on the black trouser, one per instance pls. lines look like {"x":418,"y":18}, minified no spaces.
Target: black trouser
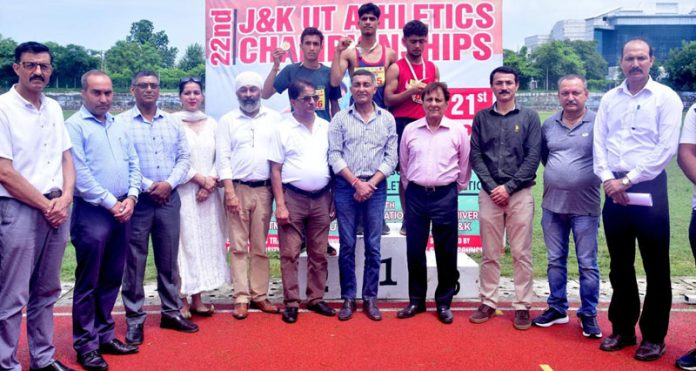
{"x":438,"y":206}
{"x":650,"y":226}
{"x":692,"y":233}
{"x":100,"y":243}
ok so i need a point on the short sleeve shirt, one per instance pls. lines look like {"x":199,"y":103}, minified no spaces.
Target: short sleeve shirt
{"x":34,"y":139}
{"x":320,"y":78}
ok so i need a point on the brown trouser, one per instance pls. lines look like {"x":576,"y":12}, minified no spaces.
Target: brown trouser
{"x":312,"y":216}
{"x":516,"y":219}
{"x":248,"y":232}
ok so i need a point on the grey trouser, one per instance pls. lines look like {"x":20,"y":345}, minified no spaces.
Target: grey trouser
{"x":31,"y":253}
{"x":162,"y":221}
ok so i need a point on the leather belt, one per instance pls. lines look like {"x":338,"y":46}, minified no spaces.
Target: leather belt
{"x":312,"y":194}
{"x":253,"y":183}
{"x":619,"y":174}
{"x":53,"y":194}
{"x":430,"y":188}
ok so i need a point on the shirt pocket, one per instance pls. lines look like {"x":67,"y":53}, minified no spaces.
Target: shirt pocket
{"x":123,"y":147}
{"x":641,"y":120}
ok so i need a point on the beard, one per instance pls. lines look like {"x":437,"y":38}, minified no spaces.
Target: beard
{"x":249,"y":105}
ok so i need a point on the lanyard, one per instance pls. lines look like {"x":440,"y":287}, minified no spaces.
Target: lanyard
{"x":413,"y":73}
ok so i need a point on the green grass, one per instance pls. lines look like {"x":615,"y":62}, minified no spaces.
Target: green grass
{"x":680,"y":191}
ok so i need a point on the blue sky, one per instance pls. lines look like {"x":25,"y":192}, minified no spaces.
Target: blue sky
{"x":98,"y":24}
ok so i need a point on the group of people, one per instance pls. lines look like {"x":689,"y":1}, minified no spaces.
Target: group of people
{"x":189,"y":183}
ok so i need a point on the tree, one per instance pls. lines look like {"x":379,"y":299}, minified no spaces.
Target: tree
{"x":7,"y":75}
{"x":193,"y":56}
{"x":143,"y":33}
{"x":554,"y":60}
{"x":127,"y":57}
{"x":69,"y":63}
{"x":521,"y":62}
{"x":681,"y":67}
{"x":595,"y":65}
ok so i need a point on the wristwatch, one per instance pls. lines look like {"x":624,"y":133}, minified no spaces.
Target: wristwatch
{"x":625,"y":181}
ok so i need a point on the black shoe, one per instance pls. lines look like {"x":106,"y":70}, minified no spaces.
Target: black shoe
{"x":290,"y":315}
{"x":444,"y":314}
{"x":410,"y":311}
{"x":331,"y":251}
{"x":385,"y":228}
{"x":322,"y":308}
{"x":117,"y":347}
{"x":648,"y":351}
{"x":92,"y":361}
{"x":370,"y":308}
{"x":616,"y":342}
{"x":347,"y":310}
{"x":359,"y":230}
{"x":54,"y":366}
{"x":178,"y":323}
{"x":687,"y":361}
{"x":134,"y":334}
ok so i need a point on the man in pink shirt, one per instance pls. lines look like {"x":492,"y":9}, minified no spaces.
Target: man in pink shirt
{"x":434,"y":160}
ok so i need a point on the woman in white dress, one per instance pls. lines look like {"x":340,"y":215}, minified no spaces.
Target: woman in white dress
{"x":202,"y":254}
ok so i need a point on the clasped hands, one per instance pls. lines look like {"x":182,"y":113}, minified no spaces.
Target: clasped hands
{"x":616,"y":190}
{"x":363,"y":190}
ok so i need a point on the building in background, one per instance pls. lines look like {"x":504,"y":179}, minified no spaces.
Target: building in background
{"x":664,"y":24}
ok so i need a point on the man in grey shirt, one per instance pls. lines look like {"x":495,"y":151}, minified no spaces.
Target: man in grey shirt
{"x":571,"y":202}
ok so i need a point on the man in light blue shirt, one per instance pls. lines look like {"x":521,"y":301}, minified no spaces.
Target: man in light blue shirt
{"x":160,"y":142}
{"x":107,"y":188}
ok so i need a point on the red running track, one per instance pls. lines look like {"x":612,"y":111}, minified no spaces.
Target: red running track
{"x":263,"y":341}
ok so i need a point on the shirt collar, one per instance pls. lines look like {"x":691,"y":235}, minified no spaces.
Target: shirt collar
{"x":25,"y":102}
{"x":295,"y":124}
{"x":86,"y":115}
{"x":378,"y":110}
{"x":421,"y":123}
{"x":494,"y":109}
{"x":649,"y":86}
{"x":241,"y":115}
{"x":135,"y":112}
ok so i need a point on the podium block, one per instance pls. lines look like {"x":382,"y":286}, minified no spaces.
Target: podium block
{"x":394,"y":271}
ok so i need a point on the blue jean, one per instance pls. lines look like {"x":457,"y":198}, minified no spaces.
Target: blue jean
{"x":347,"y":211}
{"x":556,"y":229}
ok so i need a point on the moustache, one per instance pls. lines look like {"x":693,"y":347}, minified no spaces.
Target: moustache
{"x":635,"y":69}
{"x":37,"y":77}
{"x":505,"y":92}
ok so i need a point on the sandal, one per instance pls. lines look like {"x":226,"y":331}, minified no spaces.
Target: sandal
{"x":203,"y":313}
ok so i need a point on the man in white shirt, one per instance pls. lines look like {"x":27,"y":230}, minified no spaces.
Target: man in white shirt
{"x":37,"y":179}
{"x":243,"y":140}
{"x":301,"y":181}
{"x":635,"y":136}
{"x":687,"y":162}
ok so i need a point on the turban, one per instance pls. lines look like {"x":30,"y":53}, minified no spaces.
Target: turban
{"x":247,"y":78}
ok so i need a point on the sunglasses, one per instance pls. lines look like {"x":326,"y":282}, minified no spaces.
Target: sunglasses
{"x":309,"y":98}
{"x":188,"y":79}
{"x":145,"y":85}
{"x":31,"y":66}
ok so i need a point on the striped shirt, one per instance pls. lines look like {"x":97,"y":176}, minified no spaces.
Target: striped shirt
{"x":364,"y":147}
{"x":161,"y":145}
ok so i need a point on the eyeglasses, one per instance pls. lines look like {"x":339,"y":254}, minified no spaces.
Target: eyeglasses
{"x":309,"y":98}
{"x":31,"y":66}
{"x":184,"y":80}
{"x":145,"y":85}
